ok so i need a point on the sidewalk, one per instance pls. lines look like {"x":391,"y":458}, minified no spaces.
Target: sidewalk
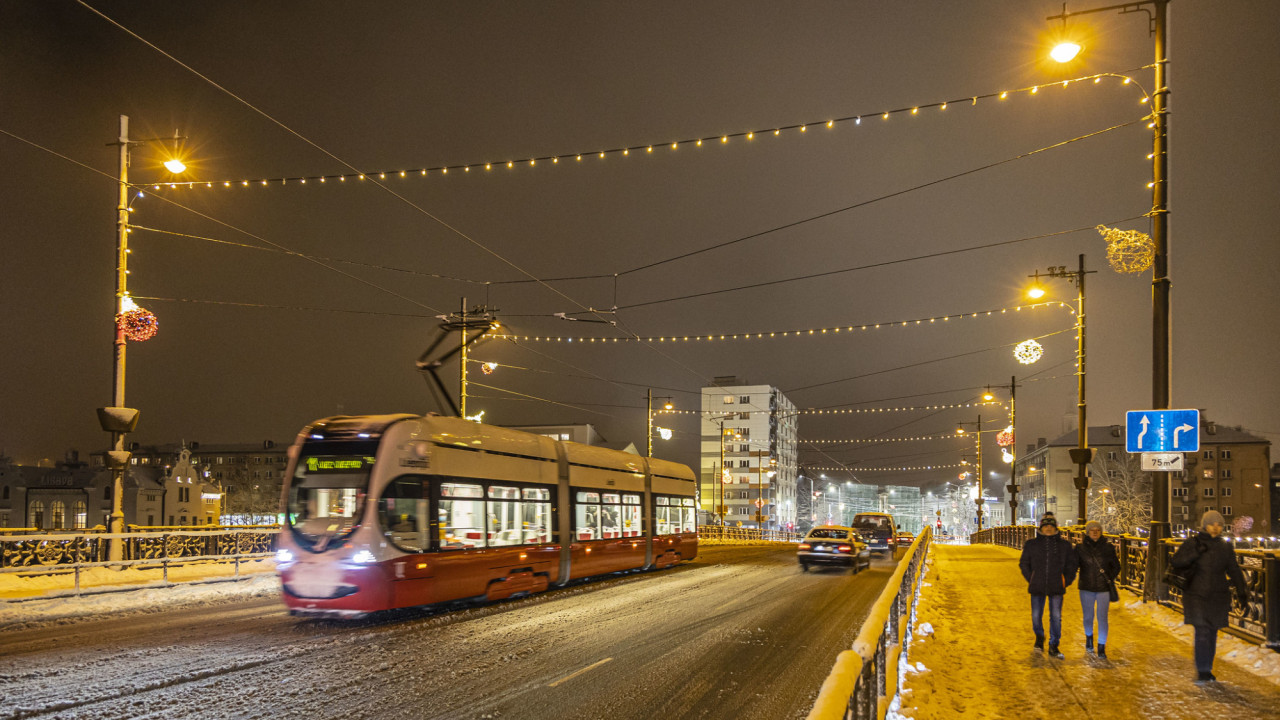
{"x":977,"y":661}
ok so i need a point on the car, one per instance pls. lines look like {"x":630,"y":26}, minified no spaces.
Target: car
{"x":905,"y":538}
{"x":878,"y":529}
{"x":833,"y":545}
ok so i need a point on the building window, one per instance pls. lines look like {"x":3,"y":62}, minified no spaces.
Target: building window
{"x":1180,"y":492}
{"x":1111,"y":455}
{"x":171,"y":521}
{"x":59,"y":513}
{"x":1178,"y":475}
{"x":745,"y":400}
{"x":1226,"y":474}
{"x":1113,"y":474}
{"x":1208,"y":508}
{"x":80,"y":516}
{"x":1208,"y":492}
{"x":1226,"y":509}
{"x":744,"y":416}
{"x":36,"y":513}
{"x":728,"y":399}
{"x":151,"y":520}
{"x":106,"y":492}
{"x":1179,"y":527}
{"x":1226,"y":492}
{"x":1208,"y":474}
{"x":1208,"y":455}
{"x":744,"y":463}
{"x":1224,"y":454}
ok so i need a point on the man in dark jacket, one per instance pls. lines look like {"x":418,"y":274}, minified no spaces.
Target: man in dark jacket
{"x":1049,"y":564}
{"x":1206,"y":604}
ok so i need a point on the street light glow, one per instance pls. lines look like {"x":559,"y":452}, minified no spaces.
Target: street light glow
{"x":1036,"y":292}
{"x":1065,"y":52}
{"x":175,"y":166}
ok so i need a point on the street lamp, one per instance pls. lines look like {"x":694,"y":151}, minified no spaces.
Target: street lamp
{"x":666,"y":405}
{"x":118,"y":419}
{"x":1158,"y":14}
{"x":1081,"y":454}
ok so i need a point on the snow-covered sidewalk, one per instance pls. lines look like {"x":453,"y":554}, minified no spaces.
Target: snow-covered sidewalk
{"x":971,"y":655}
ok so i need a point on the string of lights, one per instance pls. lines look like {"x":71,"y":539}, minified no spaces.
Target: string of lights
{"x":860,"y":468}
{"x":878,"y":441}
{"x":848,"y":411}
{"x":624,"y":151}
{"x":774,"y":334}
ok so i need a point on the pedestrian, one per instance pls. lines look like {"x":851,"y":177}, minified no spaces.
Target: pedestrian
{"x":1049,"y":565}
{"x":1099,"y":567}
{"x":1206,"y":603}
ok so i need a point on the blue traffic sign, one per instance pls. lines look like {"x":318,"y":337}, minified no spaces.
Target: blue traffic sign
{"x":1162,"y":431}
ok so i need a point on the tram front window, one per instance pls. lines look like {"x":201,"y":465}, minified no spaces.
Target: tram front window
{"x":326,"y":494}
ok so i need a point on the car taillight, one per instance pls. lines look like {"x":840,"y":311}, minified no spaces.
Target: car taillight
{"x":804,"y":546}
{"x":845,"y":548}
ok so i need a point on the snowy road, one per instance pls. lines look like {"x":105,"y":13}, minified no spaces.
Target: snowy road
{"x":739,"y":633}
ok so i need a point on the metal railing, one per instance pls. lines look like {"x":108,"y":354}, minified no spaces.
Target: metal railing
{"x":716,"y":533}
{"x":1257,"y":620}
{"x":50,"y":550}
{"x":865,"y":680}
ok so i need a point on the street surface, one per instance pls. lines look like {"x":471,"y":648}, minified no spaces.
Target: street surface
{"x":738,"y":633}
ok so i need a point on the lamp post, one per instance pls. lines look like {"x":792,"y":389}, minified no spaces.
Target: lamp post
{"x":117,"y":419}
{"x":720,"y":475}
{"x":1161,"y":372}
{"x":978,"y":431}
{"x":1081,"y":455}
{"x":649,"y":415}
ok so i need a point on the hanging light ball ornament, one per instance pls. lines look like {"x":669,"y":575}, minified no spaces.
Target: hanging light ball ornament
{"x":1128,"y":251}
{"x":1004,"y":438}
{"x":1006,"y":456}
{"x":1028,"y":351}
{"x":138,"y":324}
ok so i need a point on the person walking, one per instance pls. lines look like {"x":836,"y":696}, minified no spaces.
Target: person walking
{"x":1099,"y":567}
{"x":1049,"y":565}
{"x":1206,"y":603}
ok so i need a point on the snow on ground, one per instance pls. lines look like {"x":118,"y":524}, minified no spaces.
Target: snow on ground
{"x":26,"y":601}
{"x":971,"y":655}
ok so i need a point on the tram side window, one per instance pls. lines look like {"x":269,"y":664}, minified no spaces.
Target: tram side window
{"x":611,"y":515}
{"x":674,"y":515}
{"x":662,"y":516}
{"x":403,"y":514}
{"x":586,"y":516}
{"x":461,"y":516}
{"x":504,"y":516}
{"x":631,"y":524}
{"x":689,"y":514}
{"x":537,"y":515}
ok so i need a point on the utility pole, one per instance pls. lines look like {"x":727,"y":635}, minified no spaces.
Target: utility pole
{"x":1013,"y":452}
{"x":462,"y":393}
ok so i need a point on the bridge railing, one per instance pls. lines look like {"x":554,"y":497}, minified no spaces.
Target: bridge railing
{"x":1257,"y":620}
{"x":49,"y":550}
{"x":865,"y":679}
{"x":716,"y":533}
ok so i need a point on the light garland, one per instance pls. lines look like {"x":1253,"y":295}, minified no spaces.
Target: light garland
{"x":626,"y":151}
{"x":138,"y":324}
{"x":859,"y":468}
{"x":1128,"y":251}
{"x":848,"y":411}
{"x":876,"y":441}
{"x":774,"y":334}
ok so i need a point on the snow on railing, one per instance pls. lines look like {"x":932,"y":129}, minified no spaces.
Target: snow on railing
{"x":32,"y":552}
{"x":864,"y":680}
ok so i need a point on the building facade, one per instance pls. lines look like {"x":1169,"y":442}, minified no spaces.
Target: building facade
{"x":754,"y":429}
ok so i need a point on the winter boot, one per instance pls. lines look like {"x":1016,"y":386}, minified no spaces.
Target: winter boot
{"x":1102,"y":650}
{"x":1088,"y":643}
{"x":1039,"y":642}
{"x":1053,"y":652}
{"x":1205,"y":677}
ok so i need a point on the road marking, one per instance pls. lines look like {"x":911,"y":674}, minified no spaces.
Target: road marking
{"x":571,"y":676}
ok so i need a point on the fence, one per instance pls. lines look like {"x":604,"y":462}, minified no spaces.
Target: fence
{"x":716,"y":533}
{"x":865,"y":679}
{"x":1257,"y":620}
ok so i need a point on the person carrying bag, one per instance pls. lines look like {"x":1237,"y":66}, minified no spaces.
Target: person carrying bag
{"x":1099,"y":567}
{"x":1206,"y":602}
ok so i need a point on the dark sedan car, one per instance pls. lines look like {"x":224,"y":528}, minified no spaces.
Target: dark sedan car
{"x":833,"y":545}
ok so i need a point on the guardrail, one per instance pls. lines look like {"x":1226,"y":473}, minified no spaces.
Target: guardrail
{"x":48,"y":550}
{"x":865,"y":680}
{"x":716,"y":533}
{"x":1257,"y":620}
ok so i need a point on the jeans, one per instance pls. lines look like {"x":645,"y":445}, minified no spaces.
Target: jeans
{"x":1055,"y":617}
{"x":1206,"y":646}
{"x":1087,"y":602}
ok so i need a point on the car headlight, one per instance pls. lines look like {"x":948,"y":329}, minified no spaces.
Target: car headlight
{"x":284,"y":556}
{"x":363,"y":557}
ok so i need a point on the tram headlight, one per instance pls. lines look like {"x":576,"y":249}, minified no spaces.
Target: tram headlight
{"x":364,"y":557}
{"x":284,"y":556}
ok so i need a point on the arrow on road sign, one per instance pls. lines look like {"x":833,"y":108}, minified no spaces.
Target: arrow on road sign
{"x":1145,"y":422}
{"x":1180,"y":429}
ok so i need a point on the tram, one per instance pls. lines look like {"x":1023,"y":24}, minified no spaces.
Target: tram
{"x":392,"y":511}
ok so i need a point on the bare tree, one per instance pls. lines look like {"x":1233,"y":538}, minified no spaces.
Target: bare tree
{"x":1119,"y":492}
{"x":249,"y":500}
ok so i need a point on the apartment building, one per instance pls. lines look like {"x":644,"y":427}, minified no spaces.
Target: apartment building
{"x":749,"y":457}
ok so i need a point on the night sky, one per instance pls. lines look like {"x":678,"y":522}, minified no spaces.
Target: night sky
{"x":253,"y":343}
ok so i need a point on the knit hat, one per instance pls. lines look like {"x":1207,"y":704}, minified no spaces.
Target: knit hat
{"x":1211,"y":517}
{"x":1092,"y":524}
{"x":1048,"y":521}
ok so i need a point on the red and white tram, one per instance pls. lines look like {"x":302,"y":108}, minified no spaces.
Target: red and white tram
{"x":390,"y":511}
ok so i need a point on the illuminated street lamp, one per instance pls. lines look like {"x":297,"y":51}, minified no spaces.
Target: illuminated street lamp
{"x":1081,"y":454}
{"x":1161,"y":315}
{"x":118,"y":419}
{"x":666,"y":406}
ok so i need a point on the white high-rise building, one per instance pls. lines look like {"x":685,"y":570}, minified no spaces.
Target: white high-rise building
{"x":749,"y":440}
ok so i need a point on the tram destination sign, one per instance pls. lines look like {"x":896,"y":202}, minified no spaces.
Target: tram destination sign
{"x":1162,"y":431}
{"x":338,"y":463}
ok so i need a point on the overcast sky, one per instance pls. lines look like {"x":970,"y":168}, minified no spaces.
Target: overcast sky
{"x":253,"y":343}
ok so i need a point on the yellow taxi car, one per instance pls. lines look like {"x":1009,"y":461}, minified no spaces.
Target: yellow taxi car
{"x":833,"y":545}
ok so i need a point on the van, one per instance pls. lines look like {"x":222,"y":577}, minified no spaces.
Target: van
{"x":878,"y":530}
